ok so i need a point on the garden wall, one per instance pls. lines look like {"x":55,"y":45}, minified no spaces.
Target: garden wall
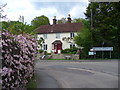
{"x":63,"y":56}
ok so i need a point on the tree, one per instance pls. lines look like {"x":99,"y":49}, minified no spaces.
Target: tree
{"x":62,"y":21}
{"x":83,"y":38}
{"x":81,"y":20}
{"x":21,"y":19}
{"x":1,"y":11}
{"x":105,"y":20}
{"x":16,"y":27}
{"x":1,"y":14}
{"x":40,"y":20}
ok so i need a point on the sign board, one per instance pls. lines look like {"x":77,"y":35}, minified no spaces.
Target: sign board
{"x":91,"y":53}
{"x":91,"y":49}
{"x":102,"y":48}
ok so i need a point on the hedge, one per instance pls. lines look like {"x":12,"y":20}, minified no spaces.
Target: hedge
{"x":72,"y":50}
{"x":18,"y":55}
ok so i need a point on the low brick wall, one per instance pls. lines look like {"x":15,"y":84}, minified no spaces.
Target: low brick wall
{"x":59,"y":56}
{"x":64,"y":56}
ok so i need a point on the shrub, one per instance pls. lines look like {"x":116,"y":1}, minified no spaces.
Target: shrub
{"x":70,"y":50}
{"x":40,"y":51}
{"x":18,"y":55}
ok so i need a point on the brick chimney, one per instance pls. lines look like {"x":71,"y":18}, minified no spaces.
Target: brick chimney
{"x":69,"y":19}
{"x":54,"y":20}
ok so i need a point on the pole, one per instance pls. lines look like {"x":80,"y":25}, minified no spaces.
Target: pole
{"x":110,"y":54}
{"x":91,"y":19}
{"x":102,"y":50}
{"x":91,"y":28}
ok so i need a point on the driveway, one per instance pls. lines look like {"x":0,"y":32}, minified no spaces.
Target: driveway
{"x":77,"y":74}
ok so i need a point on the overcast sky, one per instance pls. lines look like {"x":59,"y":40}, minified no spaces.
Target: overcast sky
{"x":50,"y":8}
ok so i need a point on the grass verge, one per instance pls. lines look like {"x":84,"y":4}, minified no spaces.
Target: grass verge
{"x":32,"y":82}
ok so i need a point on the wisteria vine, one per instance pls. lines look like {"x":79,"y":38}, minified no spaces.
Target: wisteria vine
{"x":18,"y":55}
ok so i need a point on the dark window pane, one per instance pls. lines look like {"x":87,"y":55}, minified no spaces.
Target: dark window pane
{"x":46,"y":46}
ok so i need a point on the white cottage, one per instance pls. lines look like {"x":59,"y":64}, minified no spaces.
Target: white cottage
{"x":58,"y":36}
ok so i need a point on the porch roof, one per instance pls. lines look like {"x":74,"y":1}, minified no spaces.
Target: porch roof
{"x":57,"y":42}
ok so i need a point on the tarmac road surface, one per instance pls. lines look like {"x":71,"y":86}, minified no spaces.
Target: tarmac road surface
{"x":77,"y":74}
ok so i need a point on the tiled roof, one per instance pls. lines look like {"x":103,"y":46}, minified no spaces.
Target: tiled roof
{"x":59,"y":28}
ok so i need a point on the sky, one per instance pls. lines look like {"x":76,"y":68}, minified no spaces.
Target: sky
{"x":50,"y":8}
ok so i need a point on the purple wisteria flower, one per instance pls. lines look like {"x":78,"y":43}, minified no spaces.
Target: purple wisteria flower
{"x":18,"y":55}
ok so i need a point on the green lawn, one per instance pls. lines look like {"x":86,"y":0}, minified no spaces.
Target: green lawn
{"x":83,"y":59}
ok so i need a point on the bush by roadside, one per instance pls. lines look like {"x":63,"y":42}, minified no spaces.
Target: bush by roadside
{"x":18,"y":55}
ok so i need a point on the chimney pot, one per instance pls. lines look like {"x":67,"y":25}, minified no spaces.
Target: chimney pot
{"x":69,"y":18}
{"x":54,"y":17}
{"x":68,"y":15}
{"x":54,"y":20}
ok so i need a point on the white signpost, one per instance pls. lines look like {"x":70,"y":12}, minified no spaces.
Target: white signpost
{"x":91,"y":53}
{"x":102,"y":48}
{"x":94,"y":49}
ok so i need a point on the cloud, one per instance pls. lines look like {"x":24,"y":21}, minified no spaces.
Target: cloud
{"x":50,"y":12}
{"x":77,"y":11}
{"x":59,"y":0}
{"x":15,"y":8}
{"x":27,"y":8}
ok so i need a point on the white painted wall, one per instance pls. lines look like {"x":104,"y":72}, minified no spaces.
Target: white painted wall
{"x":52,"y":37}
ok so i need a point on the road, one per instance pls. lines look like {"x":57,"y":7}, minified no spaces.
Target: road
{"x":76,"y":74}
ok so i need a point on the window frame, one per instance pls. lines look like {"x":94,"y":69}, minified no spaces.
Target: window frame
{"x":58,"y":35}
{"x":72,"y":45}
{"x":72,"y":34}
{"x":45,"y":36}
{"x":45,"y":47}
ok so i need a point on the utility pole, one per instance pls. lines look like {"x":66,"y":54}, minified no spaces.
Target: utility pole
{"x":102,"y":51}
{"x":91,"y":19}
{"x":91,"y":27}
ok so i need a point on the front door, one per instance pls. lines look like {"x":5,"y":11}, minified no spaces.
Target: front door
{"x":57,"y":47}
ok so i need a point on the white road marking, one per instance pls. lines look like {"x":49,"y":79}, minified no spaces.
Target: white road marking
{"x":84,"y":70}
{"x":92,"y":71}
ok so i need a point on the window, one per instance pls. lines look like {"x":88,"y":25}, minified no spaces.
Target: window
{"x":72,"y":45}
{"x":45,"y":47}
{"x":72,"y":35}
{"x":58,"y":35}
{"x":45,"y":36}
